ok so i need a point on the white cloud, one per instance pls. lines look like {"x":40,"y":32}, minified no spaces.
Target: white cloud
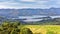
{"x":28,"y":0}
{"x":28,"y":4}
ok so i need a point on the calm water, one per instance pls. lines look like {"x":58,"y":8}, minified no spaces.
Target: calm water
{"x":37,"y":16}
{"x":30,"y":18}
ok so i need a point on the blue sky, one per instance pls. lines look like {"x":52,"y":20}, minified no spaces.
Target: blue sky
{"x":29,"y":3}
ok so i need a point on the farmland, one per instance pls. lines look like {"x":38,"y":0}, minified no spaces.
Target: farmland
{"x":44,"y":29}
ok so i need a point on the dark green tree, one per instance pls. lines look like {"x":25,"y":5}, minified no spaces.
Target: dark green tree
{"x":26,"y":31}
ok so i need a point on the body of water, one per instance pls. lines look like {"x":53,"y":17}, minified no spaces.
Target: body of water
{"x":35,"y":18}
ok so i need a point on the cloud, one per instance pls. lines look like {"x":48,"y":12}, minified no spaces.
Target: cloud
{"x":27,"y":0}
{"x":29,"y":3}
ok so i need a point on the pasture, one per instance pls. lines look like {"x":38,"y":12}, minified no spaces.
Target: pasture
{"x":44,"y":29}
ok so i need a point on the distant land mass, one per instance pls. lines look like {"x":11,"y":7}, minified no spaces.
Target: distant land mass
{"x":29,"y":12}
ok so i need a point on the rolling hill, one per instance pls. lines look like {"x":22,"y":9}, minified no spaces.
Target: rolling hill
{"x":29,"y":12}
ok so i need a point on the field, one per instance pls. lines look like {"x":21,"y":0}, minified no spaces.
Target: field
{"x":44,"y":29}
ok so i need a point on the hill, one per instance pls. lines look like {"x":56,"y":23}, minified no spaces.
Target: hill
{"x":29,"y":12}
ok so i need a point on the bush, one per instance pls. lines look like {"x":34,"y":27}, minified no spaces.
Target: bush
{"x":10,"y":28}
{"x":26,"y":31}
{"x":14,"y":32}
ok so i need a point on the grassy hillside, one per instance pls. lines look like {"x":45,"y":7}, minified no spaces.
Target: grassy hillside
{"x":44,"y":29}
{"x":16,"y":27}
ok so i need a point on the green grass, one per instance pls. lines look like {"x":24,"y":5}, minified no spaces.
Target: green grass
{"x":44,"y":29}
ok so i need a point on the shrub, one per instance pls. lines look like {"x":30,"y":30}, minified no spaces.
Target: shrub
{"x":9,"y":28}
{"x":26,"y":31}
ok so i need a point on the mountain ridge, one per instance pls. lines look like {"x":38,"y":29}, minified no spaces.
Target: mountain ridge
{"x":29,"y":12}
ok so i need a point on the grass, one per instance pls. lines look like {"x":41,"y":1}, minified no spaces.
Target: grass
{"x":44,"y":29}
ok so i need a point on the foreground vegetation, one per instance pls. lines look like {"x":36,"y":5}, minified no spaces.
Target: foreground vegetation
{"x":8,"y":27}
{"x":16,"y":27}
{"x":44,"y":29}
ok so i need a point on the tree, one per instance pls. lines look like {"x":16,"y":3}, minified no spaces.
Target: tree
{"x":26,"y":31}
{"x":10,"y":28}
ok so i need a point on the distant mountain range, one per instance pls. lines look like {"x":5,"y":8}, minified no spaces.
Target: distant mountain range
{"x":29,"y":12}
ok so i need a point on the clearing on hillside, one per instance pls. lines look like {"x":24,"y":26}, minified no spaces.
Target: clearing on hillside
{"x":44,"y":29}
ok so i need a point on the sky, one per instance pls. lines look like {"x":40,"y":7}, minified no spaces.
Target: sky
{"x":29,"y":4}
